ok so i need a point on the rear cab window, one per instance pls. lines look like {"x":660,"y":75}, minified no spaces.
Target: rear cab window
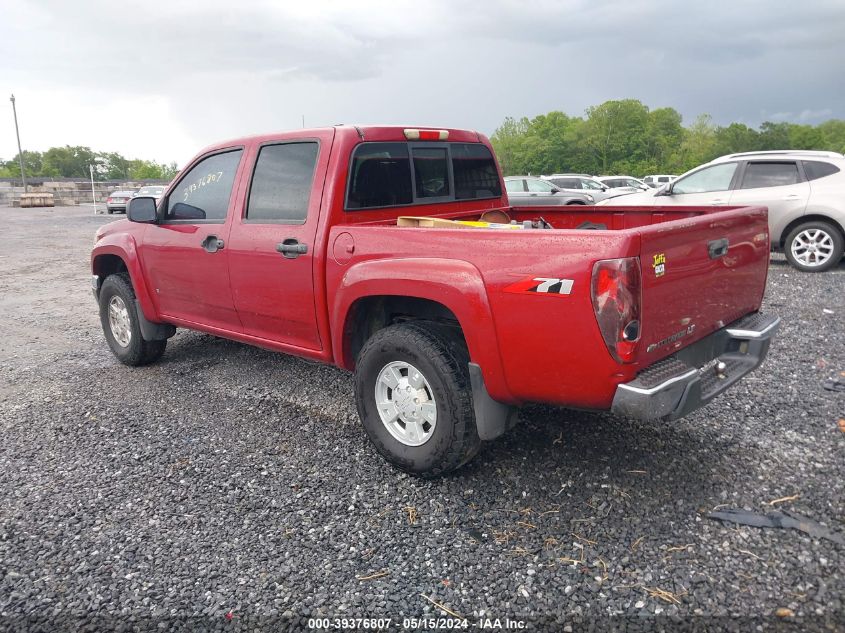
{"x":391,"y":174}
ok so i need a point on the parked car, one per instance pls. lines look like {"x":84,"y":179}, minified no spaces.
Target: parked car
{"x":156,"y":191}
{"x":295,"y":242}
{"x":803,"y":190}
{"x":657,"y":181}
{"x":577,"y":183}
{"x":628,"y":184}
{"x":533,"y":190}
{"x":117,"y":201}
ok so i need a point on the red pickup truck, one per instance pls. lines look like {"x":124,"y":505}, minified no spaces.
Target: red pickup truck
{"x":394,"y":253}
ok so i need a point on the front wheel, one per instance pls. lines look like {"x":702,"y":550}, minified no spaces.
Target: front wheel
{"x":120,"y":323}
{"x":814,"y":247}
{"x":414,"y":398}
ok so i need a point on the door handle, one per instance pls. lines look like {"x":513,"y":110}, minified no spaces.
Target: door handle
{"x":292,"y":248}
{"x":717,"y":248}
{"x":718,"y":201}
{"x":792,"y":196}
{"x":212,"y":244}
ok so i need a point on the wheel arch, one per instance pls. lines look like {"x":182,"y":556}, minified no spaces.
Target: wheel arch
{"x":375,"y":294}
{"x":811,"y":217}
{"x":117,"y":257}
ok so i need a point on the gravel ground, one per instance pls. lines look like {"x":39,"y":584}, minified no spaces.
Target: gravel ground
{"x":228,"y":486}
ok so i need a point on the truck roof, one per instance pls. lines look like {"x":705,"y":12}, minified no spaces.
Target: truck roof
{"x":364,"y":132}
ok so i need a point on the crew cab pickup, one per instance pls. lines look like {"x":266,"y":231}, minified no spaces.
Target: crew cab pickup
{"x":394,"y":253}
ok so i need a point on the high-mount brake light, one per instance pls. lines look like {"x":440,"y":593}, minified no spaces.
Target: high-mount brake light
{"x":426,"y":135}
{"x":617,"y":297}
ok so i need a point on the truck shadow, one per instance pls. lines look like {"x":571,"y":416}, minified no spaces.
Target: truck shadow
{"x":549,"y":454}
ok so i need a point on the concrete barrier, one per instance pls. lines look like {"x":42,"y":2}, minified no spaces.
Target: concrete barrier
{"x":37,"y":200}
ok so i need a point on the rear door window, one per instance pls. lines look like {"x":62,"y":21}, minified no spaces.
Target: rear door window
{"x":770,"y":174}
{"x":281,"y":183}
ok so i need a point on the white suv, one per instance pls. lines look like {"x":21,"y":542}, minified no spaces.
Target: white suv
{"x":658,"y":180}
{"x":804,"y":191}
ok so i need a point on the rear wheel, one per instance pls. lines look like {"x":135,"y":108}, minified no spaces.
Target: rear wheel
{"x":814,"y":247}
{"x":120,"y":323}
{"x":414,"y":398}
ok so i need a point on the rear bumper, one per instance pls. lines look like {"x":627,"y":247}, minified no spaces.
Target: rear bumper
{"x":690,"y":378}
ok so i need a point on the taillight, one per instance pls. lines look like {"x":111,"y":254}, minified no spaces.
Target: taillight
{"x":617,"y":296}
{"x":109,"y":199}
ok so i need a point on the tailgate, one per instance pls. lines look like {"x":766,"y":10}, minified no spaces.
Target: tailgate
{"x":698,"y":275}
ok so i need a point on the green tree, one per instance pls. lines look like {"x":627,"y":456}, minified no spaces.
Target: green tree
{"x":699,"y":144}
{"x":111,"y":166}
{"x":774,"y":135}
{"x":663,"y":135}
{"x":169,"y":171}
{"x":737,"y":137}
{"x":146,"y":170}
{"x":833,"y":135}
{"x":805,"y":137}
{"x":33,"y":163}
{"x":68,"y":162}
{"x":509,"y":140}
{"x":616,"y":132}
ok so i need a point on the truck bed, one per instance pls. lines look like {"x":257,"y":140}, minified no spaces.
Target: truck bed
{"x":690,"y":288}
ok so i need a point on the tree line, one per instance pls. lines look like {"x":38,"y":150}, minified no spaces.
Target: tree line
{"x":626,"y":137}
{"x":73,"y":162}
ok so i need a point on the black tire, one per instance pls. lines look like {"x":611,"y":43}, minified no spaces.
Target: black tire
{"x":574,"y":202}
{"x":441,"y":357}
{"x":137,"y":351}
{"x":835,"y":236}
{"x":109,"y":211}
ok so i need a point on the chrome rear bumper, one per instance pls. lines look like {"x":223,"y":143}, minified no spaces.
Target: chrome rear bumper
{"x":690,"y":378}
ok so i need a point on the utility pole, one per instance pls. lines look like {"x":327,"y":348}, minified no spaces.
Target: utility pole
{"x":18,"y":134}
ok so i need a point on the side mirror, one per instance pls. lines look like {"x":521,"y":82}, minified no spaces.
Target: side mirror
{"x":555,"y":190}
{"x":604,"y":187}
{"x":142,"y":209}
{"x":665,"y":190}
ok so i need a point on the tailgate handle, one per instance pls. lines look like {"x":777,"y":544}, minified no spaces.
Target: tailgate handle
{"x":718,"y":248}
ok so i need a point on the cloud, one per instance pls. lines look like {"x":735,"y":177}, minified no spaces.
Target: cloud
{"x":221,"y":69}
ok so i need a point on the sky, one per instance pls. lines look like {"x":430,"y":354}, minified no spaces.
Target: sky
{"x":160,"y":80}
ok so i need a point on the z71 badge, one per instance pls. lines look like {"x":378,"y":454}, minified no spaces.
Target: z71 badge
{"x":545,"y":285}
{"x":659,"y":264}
